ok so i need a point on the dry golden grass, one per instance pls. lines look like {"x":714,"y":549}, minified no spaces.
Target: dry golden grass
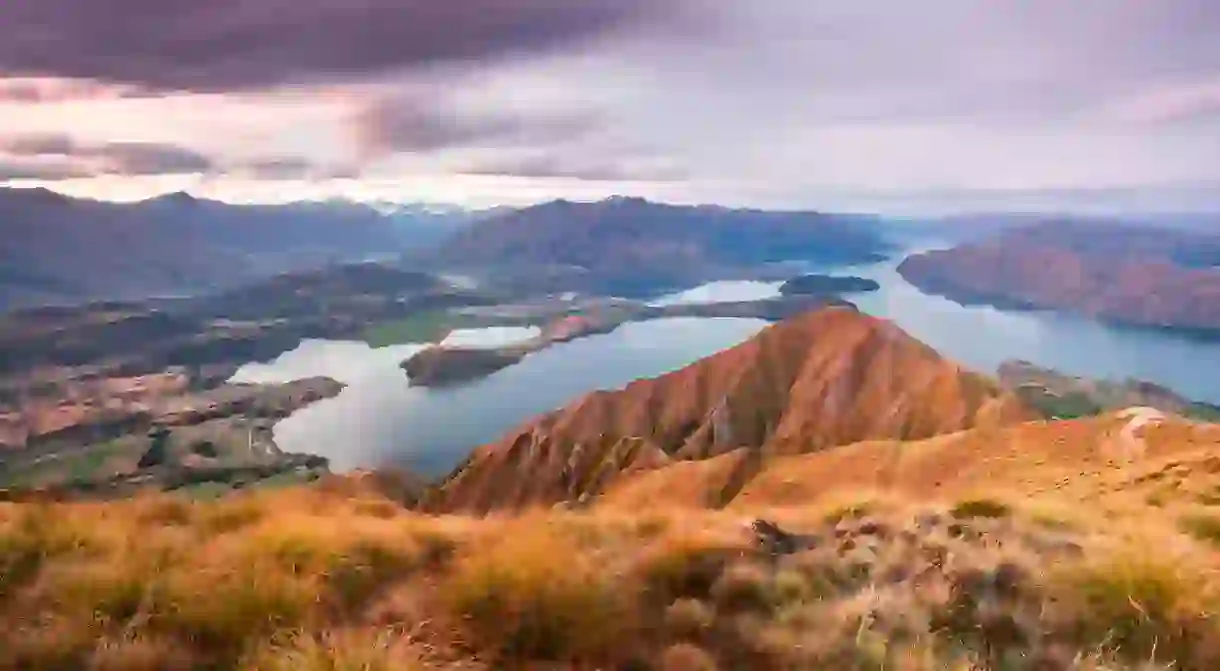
{"x":319,"y":580}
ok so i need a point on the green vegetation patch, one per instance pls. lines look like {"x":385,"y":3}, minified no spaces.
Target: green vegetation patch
{"x":1203,"y":527}
{"x":981,"y":508}
{"x":95,"y":462}
{"x":433,"y":326}
{"x":1072,"y":405}
{"x":424,"y":327}
{"x":1203,"y":412}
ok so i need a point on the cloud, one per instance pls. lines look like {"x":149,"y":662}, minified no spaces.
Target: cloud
{"x":17,"y":169}
{"x":782,"y":101}
{"x":152,"y":158}
{"x":41,"y":145}
{"x":41,"y":90}
{"x":279,"y":167}
{"x":552,"y":165}
{"x":250,"y":44}
{"x":129,"y":158}
{"x":411,"y":124}
{"x":1171,"y":104}
{"x":275,"y":168}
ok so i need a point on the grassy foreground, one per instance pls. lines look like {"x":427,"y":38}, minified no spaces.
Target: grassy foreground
{"x":338,"y":579}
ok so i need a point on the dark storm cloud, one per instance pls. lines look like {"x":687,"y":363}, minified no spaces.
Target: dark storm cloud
{"x":129,"y":158}
{"x":551,"y":165}
{"x":34,"y":91}
{"x":244,"y":44}
{"x":410,"y":125}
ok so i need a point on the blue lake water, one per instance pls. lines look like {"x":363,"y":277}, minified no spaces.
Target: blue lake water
{"x":380,"y":419}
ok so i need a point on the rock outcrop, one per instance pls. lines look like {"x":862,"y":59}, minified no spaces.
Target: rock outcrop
{"x":826,"y":378}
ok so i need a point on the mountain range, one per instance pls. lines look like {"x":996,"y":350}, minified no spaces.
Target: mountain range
{"x":56,"y":249}
{"x":633,"y":247}
{"x":1118,"y":273}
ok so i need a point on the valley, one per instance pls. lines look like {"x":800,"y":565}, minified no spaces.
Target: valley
{"x":609,"y":335}
{"x":66,"y":368}
{"x":704,"y":472}
{"x":759,"y":508}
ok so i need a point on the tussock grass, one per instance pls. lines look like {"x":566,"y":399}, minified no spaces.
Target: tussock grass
{"x":980,"y":507}
{"x":315,"y":579}
{"x":1203,"y":527}
{"x":533,"y":595}
{"x":1143,"y":603}
{"x":347,"y":651}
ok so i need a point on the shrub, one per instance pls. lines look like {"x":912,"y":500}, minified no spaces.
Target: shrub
{"x":229,"y":516}
{"x":140,"y":653}
{"x":981,"y":508}
{"x":533,"y":595}
{"x":850,"y":511}
{"x":59,"y":644}
{"x":381,"y":509}
{"x":165,"y":510}
{"x":683,"y":566}
{"x":333,"y":652}
{"x":1145,"y":608}
{"x":744,"y":588}
{"x":686,"y":657}
{"x":688,"y":619}
{"x":223,"y":609}
{"x":1203,"y":527}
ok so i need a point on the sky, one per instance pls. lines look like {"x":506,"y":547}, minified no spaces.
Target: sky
{"x":881,"y":105}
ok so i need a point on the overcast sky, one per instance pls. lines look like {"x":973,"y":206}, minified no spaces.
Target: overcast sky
{"x":868,"y":104}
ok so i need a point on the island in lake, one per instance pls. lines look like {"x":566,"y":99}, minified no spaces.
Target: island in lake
{"x":442,"y":365}
{"x":827,"y":284}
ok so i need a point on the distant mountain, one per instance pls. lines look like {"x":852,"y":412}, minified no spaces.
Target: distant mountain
{"x":1115,"y":272}
{"x":56,"y":249}
{"x":632,"y":247}
{"x":826,"y":378}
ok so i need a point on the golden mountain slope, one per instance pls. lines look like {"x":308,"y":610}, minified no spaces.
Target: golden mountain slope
{"x":826,"y":378}
{"x":1079,"y":460}
{"x":1061,"y":546}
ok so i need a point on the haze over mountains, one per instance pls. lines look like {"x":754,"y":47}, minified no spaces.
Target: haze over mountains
{"x":58,"y":249}
{"x":55,"y":249}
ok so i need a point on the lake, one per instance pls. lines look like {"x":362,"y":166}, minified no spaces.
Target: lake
{"x":380,"y":419}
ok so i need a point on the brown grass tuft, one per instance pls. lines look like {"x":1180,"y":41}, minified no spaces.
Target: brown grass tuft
{"x":534,"y":595}
{"x":980,"y":508}
{"x":686,"y":657}
{"x":1144,"y":604}
{"x":347,"y":651}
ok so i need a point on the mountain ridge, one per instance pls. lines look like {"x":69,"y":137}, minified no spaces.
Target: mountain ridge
{"x":825,"y":378}
{"x":633,"y":247}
